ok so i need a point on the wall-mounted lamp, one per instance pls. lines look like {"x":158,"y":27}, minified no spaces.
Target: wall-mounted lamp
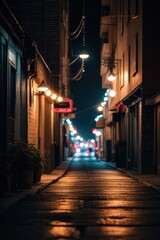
{"x":42,"y":87}
{"x":111,"y":77}
{"x":112,"y":69}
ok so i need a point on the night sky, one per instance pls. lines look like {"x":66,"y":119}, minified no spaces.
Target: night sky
{"x":86,"y":92}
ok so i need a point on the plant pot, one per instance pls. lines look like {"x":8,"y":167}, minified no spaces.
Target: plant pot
{"x":37,"y":176}
{"x":25,"y":179}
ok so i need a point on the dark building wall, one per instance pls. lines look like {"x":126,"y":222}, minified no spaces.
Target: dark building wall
{"x":147,"y":157}
{"x":3,"y":96}
{"x":151,"y":48}
{"x":13,"y":80}
{"x":41,"y":20}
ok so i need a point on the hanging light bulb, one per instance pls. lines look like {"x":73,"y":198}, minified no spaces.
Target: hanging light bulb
{"x":84,"y":55}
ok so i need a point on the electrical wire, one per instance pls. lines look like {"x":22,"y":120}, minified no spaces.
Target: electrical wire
{"x":73,"y":35}
{"x":87,"y":109}
{"x":78,"y":75}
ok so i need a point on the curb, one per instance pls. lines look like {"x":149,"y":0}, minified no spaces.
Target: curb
{"x":137,"y":178}
{"x":55,"y":179}
{"x":9,"y":199}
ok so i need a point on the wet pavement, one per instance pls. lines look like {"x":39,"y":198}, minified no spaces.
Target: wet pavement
{"x":91,"y":201}
{"x":8,"y":199}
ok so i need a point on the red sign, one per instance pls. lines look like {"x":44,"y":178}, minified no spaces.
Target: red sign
{"x":121,"y":107}
{"x":66,"y":106}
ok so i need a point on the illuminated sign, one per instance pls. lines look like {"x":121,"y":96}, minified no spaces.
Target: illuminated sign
{"x":66,"y":106}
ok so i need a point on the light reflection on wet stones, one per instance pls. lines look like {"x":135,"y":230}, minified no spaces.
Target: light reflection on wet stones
{"x":90,"y":202}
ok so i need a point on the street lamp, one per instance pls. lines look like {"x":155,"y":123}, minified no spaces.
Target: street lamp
{"x":42,"y":87}
{"x":111,"y":77}
{"x":84,"y":55}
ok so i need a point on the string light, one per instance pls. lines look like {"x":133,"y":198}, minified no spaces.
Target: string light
{"x":54,"y":96}
{"x":48,"y":93}
{"x":83,"y":29}
{"x":73,"y":35}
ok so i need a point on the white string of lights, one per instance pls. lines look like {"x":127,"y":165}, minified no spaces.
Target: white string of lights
{"x":83,"y":29}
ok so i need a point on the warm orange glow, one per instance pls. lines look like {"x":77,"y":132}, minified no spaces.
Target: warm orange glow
{"x":112,"y":93}
{"x":59,"y":99}
{"x":111,"y":77}
{"x":64,"y":232}
{"x":48,"y":93}
{"x":54,"y":96}
{"x":42,"y":87}
{"x":100,"y":108}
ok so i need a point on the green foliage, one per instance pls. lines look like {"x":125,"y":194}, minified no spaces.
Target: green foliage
{"x":28,"y":156}
{"x":38,"y":157}
{"x":25,"y":160}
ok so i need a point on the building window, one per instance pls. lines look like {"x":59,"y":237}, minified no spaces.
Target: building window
{"x":3,"y":77}
{"x":105,"y":38}
{"x":123,"y":69}
{"x":129,"y":63}
{"x":12,"y":92}
{"x":136,"y":42}
{"x":135,"y":56}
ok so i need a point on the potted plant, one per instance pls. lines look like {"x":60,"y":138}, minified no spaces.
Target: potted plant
{"x":24,"y":165}
{"x":39,"y":162}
